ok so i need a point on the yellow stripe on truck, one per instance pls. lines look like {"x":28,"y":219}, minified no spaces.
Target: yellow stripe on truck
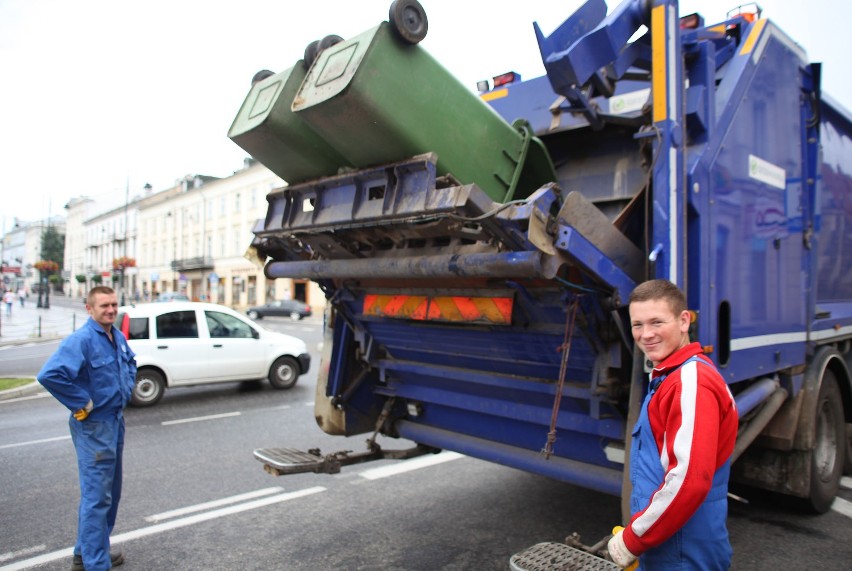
{"x":751,"y":40}
{"x":658,"y":62}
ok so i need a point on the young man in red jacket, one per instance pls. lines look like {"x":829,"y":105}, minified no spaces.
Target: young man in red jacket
{"x":682,"y":445}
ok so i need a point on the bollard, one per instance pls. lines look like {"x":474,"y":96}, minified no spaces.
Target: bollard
{"x":73,"y":322}
{"x":39,"y":326}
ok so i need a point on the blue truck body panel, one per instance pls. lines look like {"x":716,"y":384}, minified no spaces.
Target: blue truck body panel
{"x":735,"y":184}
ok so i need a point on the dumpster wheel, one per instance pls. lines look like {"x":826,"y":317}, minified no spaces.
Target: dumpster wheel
{"x":409,"y":20}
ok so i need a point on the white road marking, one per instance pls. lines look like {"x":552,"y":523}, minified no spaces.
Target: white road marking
{"x":846,"y":482}
{"x":42,"y":441}
{"x":200,"y":418}
{"x":168,"y":526}
{"x":409,"y":465}
{"x":30,"y":397}
{"x":21,"y":553}
{"x":842,"y":506}
{"x":309,"y":404}
{"x":213,"y":504}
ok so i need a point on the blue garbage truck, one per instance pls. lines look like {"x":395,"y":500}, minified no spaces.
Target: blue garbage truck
{"x":477,"y":250}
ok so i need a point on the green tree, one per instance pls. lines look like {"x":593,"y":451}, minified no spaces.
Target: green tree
{"x":53,"y":245}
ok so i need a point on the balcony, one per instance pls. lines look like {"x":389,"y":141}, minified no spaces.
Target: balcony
{"x":198,"y":263}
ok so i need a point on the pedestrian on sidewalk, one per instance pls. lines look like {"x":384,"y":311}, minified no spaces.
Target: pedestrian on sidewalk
{"x":92,"y":373}
{"x":8,"y":299}
{"x":22,"y":295}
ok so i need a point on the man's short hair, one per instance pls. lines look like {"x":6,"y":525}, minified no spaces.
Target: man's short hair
{"x":653,"y":290}
{"x":98,"y":290}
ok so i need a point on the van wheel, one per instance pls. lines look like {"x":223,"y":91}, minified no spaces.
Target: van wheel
{"x":828,"y":456}
{"x":148,"y":389}
{"x":284,"y":373}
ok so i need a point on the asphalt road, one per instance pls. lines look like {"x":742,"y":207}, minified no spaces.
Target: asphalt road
{"x":194,"y":498}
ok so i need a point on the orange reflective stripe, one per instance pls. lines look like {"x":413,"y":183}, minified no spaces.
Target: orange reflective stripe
{"x":468,"y":308}
{"x":440,"y":308}
{"x":419,"y":312}
{"x":448,"y":309}
{"x":370,"y":303}
{"x":495,"y":309}
{"x":394,"y":304}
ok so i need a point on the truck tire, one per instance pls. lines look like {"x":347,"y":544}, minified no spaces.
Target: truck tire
{"x":848,"y":468}
{"x":284,"y":373}
{"x":149,"y":388}
{"x":828,"y":455}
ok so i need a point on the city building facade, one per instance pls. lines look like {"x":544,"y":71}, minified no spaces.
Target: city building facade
{"x":191,"y":239}
{"x":21,"y":249}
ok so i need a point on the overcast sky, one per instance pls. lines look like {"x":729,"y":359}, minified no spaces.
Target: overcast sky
{"x":99,"y":95}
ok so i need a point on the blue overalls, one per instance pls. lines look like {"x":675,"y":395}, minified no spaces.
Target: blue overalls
{"x":702,"y":543}
{"x":88,"y":366}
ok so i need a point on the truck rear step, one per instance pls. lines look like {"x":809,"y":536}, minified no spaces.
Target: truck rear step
{"x":282,"y":461}
{"x":551,"y":556}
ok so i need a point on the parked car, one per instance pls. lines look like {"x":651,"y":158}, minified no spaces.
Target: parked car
{"x":190,"y":343}
{"x":292,"y":308}
{"x":171,"y":296}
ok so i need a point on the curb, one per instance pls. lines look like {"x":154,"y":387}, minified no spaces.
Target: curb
{"x":22,"y":391}
{"x":28,"y":340}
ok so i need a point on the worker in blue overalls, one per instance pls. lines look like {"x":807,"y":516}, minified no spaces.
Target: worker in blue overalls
{"x":92,"y":373}
{"x":682,"y":445}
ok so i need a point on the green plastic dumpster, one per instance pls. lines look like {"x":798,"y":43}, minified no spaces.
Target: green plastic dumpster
{"x":269,"y":131}
{"x":376,"y":99}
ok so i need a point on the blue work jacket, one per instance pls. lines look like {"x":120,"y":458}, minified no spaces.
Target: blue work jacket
{"x":87,"y":366}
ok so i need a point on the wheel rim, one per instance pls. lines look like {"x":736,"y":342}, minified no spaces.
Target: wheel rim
{"x":146,"y":389}
{"x":825,"y":453}
{"x":284,"y":373}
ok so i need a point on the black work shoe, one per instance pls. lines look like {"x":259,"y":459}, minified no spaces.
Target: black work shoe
{"x":115,"y":560}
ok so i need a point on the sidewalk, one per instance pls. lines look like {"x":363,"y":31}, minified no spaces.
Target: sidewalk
{"x":35,"y":324}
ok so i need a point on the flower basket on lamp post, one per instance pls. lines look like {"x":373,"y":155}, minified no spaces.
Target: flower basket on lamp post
{"x":45,"y":268}
{"x":119,"y":265}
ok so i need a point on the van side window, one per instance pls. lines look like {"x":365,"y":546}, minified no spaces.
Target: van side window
{"x":177,"y":324}
{"x":138,"y":328}
{"x":224,"y":325}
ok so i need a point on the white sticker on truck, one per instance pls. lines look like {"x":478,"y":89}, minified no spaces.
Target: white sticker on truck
{"x":629,"y":102}
{"x":764,"y":171}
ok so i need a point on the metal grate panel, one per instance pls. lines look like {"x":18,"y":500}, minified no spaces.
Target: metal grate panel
{"x":551,"y":556}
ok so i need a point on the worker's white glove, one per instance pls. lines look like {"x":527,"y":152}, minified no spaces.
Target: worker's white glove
{"x":619,"y":553}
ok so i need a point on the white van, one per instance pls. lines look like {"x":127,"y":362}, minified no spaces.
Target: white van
{"x":188,"y":343}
